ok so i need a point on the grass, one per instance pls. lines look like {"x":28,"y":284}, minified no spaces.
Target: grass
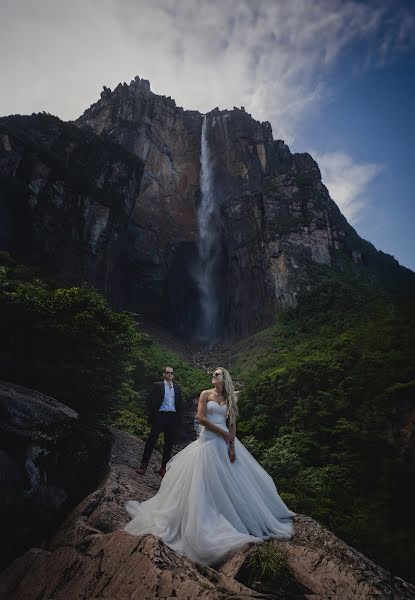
{"x":268,"y":561}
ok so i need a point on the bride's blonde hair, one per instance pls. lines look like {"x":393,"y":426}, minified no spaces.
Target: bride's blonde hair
{"x":230,"y":396}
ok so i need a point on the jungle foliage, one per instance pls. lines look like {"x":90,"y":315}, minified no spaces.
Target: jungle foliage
{"x":328,"y":408}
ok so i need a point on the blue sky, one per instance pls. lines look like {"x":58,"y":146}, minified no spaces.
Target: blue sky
{"x":334,"y":78}
{"x":371,"y":118}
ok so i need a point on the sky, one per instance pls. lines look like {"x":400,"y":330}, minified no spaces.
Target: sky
{"x":335,"y":78}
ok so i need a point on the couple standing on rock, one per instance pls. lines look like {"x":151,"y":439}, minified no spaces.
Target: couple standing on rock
{"x":214,"y":496}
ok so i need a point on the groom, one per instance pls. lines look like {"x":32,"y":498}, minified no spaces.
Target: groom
{"x":165,"y":415}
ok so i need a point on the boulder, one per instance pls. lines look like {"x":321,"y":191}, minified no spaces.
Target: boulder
{"x":49,"y":461}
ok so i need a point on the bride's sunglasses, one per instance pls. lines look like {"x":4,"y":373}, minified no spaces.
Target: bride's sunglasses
{"x":217,"y":374}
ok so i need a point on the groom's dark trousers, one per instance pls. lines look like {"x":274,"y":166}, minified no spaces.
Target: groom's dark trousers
{"x":168,"y":422}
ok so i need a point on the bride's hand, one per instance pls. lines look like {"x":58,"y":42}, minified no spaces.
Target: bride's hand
{"x":232,"y":454}
{"x":228,"y":437}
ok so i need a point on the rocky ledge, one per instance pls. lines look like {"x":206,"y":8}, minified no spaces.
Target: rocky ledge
{"x":49,"y":461}
{"x":91,"y":557}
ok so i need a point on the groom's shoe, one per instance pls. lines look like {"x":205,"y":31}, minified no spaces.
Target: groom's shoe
{"x":143,"y":468}
{"x":162,"y":472}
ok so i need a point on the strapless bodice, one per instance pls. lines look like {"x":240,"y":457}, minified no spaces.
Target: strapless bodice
{"x":216,"y":413}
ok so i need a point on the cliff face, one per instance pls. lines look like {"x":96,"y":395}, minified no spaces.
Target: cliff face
{"x":280,"y":239}
{"x":65,"y":199}
{"x":276,"y":220}
{"x":114,"y":201}
{"x":163,"y":230}
{"x":168,"y":140}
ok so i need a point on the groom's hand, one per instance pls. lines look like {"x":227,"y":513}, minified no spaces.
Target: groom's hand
{"x":232,"y":454}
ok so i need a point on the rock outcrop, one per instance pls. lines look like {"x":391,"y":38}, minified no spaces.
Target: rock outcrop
{"x":49,"y":461}
{"x":90,"y":556}
{"x":325,"y":565}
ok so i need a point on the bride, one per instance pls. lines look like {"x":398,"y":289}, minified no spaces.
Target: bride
{"x":215,"y":497}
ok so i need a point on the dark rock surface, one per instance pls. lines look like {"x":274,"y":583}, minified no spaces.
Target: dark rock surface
{"x":280,"y":239}
{"x":49,"y":461}
{"x":66,"y":199}
{"x":327,"y":566}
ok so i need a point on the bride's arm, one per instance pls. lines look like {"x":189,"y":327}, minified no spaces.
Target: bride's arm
{"x":232,"y":431}
{"x":203,"y":420}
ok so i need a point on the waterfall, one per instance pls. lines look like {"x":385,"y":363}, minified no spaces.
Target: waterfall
{"x":209,"y":223}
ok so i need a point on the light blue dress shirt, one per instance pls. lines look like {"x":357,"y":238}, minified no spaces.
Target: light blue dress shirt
{"x":168,"y":403}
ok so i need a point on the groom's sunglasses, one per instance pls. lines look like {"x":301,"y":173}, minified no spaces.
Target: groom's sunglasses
{"x":169,"y":372}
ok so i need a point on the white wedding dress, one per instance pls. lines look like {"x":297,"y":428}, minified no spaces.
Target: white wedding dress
{"x":208,"y":507}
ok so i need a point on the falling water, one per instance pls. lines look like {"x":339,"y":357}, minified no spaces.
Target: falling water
{"x":208,"y":244}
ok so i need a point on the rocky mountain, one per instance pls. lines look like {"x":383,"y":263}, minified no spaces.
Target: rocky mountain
{"x":90,"y":556}
{"x":276,"y":218}
{"x":116,"y":201}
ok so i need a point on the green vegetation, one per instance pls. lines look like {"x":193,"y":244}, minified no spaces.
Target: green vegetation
{"x":266,"y":570}
{"x":68,"y":343}
{"x":205,"y":585}
{"x":268,"y":561}
{"x":326,"y":408}
{"x":327,"y":411}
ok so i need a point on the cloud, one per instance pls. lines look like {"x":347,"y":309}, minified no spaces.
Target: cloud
{"x":274,"y":57}
{"x":395,"y":35}
{"x":347,"y":182}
